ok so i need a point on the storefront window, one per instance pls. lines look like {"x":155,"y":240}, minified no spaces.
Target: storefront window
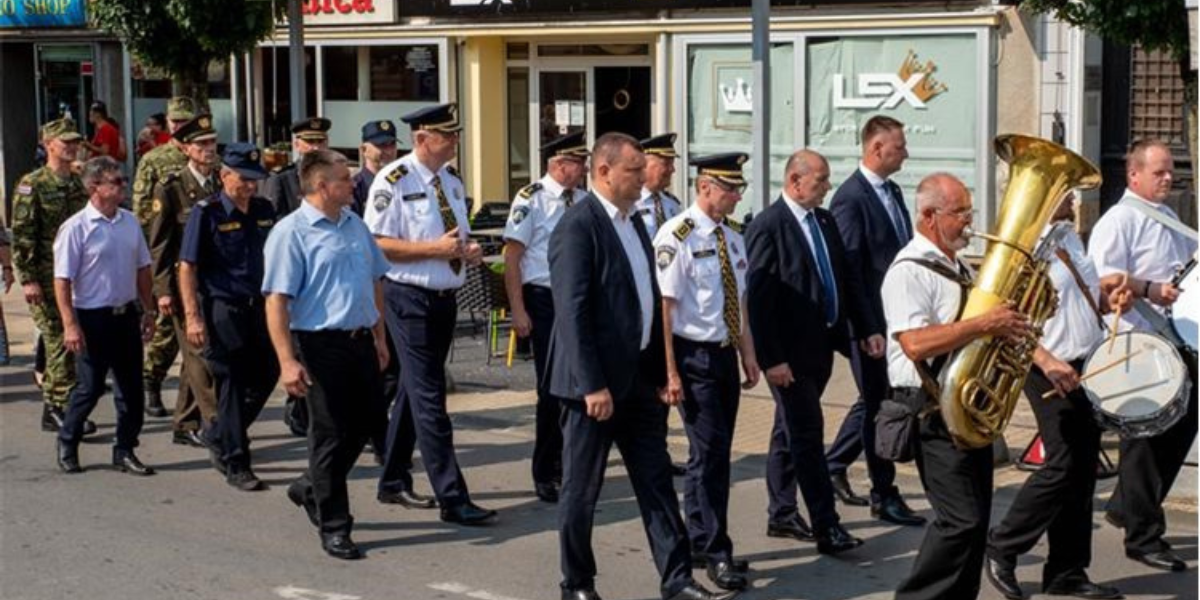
{"x":519,"y":165}
{"x":152,"y":88}
{"x":341,"y":73}
{"x":404,"y":73}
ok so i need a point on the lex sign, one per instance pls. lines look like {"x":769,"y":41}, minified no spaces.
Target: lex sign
{"x":913,"y":83}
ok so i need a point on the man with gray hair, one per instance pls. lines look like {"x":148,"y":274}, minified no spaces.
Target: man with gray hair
{"x":102,"y":287}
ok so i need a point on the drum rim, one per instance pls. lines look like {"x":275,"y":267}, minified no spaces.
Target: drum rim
{"x":1181,"y":389}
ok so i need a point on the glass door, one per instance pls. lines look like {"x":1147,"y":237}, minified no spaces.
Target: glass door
{"x":65,"y":83}
{"x":562,"y":107}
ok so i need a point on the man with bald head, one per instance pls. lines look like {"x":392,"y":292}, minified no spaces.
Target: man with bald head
{"x":923,"y":294}
{"x":802,"y":298}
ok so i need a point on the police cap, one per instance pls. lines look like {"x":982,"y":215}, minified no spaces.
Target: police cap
{"x":725,"y":167}
{"x":312,"y":128}
{"x":198,"y":129}
{"x":572,"y":145}
{"x":440,"y":117}
{"x":379,"y":132}
{"x":660,"y":145}
{"x":244,"y":158}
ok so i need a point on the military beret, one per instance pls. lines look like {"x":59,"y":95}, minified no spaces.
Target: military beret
{"x":181,"y":108}
{"x":440,"y":117}
{"x":63,"y":129}
{"x":725,"y":167}
{"x":660,"y":145}
{"x":379,"y":132}
{"x":312,"y":128}
{"x":198,"y":129}
{"x":244,"y":158}
{"x":572,"y":145}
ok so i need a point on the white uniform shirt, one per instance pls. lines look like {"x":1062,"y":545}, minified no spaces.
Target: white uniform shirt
{"x":645,"y":209}
{"x":632,"y":244}
{"x":1126,"y":241}
{"x":535,"y":213}
{"x":1074,"y":329}
{"x":915,"y":297}
{"x":100,"y":257}
{"x":403,"y":204}
{"x":689,"y":271}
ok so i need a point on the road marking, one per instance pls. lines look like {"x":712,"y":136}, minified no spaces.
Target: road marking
{"x":463,"y":589}
{"x":291,"y":592}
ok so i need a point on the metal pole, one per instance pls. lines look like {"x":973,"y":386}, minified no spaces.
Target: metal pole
{"x":296,"y":63}
{"x":761,"y":124}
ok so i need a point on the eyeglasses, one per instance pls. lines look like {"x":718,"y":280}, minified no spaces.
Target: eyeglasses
{"x":725,"y":187}
{"x":962,"y":214}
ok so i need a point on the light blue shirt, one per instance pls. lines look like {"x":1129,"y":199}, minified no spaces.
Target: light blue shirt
{"x":328,"y":269}
{"x":100,"y":257}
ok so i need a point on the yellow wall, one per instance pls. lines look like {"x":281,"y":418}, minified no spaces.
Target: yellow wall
{"x":484,"y":102}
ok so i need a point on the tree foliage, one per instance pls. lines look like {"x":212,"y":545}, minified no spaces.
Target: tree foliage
{"x":1151,"y":24}
{"x":182,"y":37}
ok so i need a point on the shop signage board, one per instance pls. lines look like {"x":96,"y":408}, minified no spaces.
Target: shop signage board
{"x":23,"y":14}
{"x":348,"y":12}
{"x":454,"y":8}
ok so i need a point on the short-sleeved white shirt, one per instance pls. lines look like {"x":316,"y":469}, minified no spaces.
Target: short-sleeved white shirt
{"x":535,"y":213}
{"x":1126,"y":241}
{"x":915,"y":297}
{"x":689,"y":271}
{"x":645,"y":209}
{"x":1074,"y":329}
{"x":403,"y":204}
{"x":100,"y":257}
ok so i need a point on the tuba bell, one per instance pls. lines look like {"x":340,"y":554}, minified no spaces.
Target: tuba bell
{"x":982,"y":381}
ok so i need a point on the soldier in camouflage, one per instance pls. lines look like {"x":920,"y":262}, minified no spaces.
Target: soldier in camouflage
{"x":156,"y":164}
{"x":43,"y":200}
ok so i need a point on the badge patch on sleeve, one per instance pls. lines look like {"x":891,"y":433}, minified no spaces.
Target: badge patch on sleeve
{"x":382,"y":199}
{"x":156,"y":206}
{"x":24,"y":189}
{"x":664,"y":256}
{"x":518,"y":214}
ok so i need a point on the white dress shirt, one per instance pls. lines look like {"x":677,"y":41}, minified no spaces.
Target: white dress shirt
{"x":1074,"y":330}
{"x":689,"y":271}
{"x":100,"y":257}
{"x":636,"y":254}
{"x":891,"y":205}
{"x":531,"y":221}
{"x":403,"y":204}
{"x":1126,"y":241}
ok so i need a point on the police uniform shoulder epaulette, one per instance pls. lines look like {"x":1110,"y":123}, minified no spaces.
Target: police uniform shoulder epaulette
{"x":684,"y":229}
{"x":671,"y":196}
{"x":396,"y":174}
{"x":734,"y":225}
{"x":450,"y":169}
{"x":528,"y":191}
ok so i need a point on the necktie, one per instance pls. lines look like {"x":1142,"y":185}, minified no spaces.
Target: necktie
{"x":730,"y":310}
{"x":449,"y":221}
{"x":209,"y":186}
{"x":893,"y":206}
{"x":660,"y":216}
{"x":824,"y":267}
{"x":568,"y":197}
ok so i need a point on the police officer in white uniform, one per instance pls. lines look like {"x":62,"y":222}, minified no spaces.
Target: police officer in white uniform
{"x":417,"y":210}
{"x":535,"y":213}
{"x":657,"y":204}
{"x":702,"y":265}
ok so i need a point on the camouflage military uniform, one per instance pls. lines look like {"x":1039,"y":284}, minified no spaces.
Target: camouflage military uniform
{"x":43,"y":200}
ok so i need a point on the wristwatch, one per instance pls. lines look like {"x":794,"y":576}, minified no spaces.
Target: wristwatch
{"x":1146,"y":289}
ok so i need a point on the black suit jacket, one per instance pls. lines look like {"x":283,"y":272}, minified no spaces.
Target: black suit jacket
{"x":282,"y":188}
{"x":785,"y":298}
{"x":597,"y":317}
{"x":868,"y":234}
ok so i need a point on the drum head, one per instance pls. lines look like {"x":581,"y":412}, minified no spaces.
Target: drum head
{"x":1148,"y":377}
{"x":1185,"y":312}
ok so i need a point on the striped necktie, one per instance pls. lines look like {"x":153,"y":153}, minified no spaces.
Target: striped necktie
{"x":730,"y":310}
{"x":449,"y":221}
{"x":568,"y":197}
{"x":660,"y":215}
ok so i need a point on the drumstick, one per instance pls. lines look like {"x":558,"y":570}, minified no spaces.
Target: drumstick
{"x":1112,"y":334}
{"x":1099,"y":371}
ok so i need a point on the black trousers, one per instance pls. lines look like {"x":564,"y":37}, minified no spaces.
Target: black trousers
{"x":712,"y":393}
{"x":959,"y":486}
{"x":343,"y":410}
{"x":1057,"y":499}
{"x":857,"y":434}
{"x":638,"y":428}
{"x":244,"y":369}
{"x":1148,"y":469}
{"x":397,"y":434}
{"x":797,"y":439}
{"x":112,"y":342}
{"x":547,"y":444}
{"x":422,"y":325}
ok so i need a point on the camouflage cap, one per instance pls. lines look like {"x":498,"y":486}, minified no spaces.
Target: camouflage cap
{"x":181,"y":108}
{"x":63,"y":129}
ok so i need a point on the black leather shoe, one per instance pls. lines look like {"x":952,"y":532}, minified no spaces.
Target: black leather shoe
{"x":694,"y":591}
{"x":843,"y":491}
{"x":740,"y":565}
{"x":189,"y":437}
{"x":52,"y":420}
{"x":468,"y":514}
{"x":154,"y":404}
{"x":127,"y":462}
{"x":584,"y":594}
{"x":725,"y":576}
{"x":1003,"y":578}
{"x":1082,"y":587}
{"x":296,"y":495}
{"x":796,"y":528}
{"x":214,"y":458}
{"x":68,"y":457}
{"x":835,"y":540}
{"x":893,"y":510}
{"x":678,"y":470}
{"x":244,"y":479}
{"x":1164,"y":560}
{"x":546,"y":492}
{"x":339,"y":545}
{"x":407,"y":499}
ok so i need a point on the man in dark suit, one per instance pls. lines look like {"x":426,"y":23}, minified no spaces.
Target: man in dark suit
{"x":801,"y":296}
{"x":874,"y":224}
{"x":607,"y":365}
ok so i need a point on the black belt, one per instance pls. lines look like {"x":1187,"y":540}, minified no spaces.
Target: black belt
{"x":247,"y":301}
{"x":714,"y":346}
{"x":450,"y":293}
{"x":345,"y":334}
{"x":116,"y":311}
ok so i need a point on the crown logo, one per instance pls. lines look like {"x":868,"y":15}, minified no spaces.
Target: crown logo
{"x":738,"y":98}
{"x":927,"y":87}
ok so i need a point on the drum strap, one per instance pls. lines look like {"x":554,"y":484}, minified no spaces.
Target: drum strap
{"x":1164,"y":220}
{"x":929,"y":372}
{"x":1065,"y":257}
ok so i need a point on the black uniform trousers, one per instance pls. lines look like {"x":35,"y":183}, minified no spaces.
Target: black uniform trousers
{"x":958,"y":484}
{"x":638,"y":428}
{"x":1148,"y":469}
{"x":422,"y":326}
{"x":244,"y":370}
{"x":343,"y":409}
{"x":798,"y":439}
{"x":396,"y":435}
{"x":112,"y":341}
{"x":711,"y":395}
{"x":1057,"y":499}
{"x":547,"y":444}
{"x":857,"y":434}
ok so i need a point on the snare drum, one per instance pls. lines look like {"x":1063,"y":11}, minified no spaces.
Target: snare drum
{"x":1185,"y":314}
{"x":1140,"y":388}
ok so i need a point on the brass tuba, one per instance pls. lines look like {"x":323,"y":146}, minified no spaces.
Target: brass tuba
{"x":982,"y":381}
